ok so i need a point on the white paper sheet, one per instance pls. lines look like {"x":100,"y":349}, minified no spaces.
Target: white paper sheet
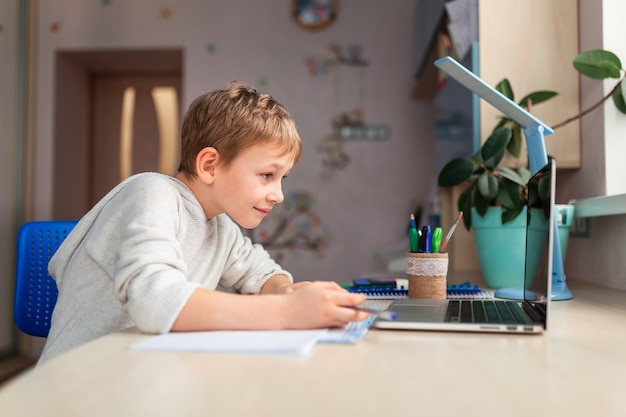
{"x":297,"y":342}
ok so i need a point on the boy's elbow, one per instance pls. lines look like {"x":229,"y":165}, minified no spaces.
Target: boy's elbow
{"x":151,"y":327}
{"x":153,"y":323}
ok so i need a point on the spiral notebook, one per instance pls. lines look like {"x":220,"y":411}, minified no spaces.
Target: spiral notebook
{"x":397,"y":288}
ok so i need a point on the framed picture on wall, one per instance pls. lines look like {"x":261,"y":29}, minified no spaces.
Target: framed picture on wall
{"x":314,"y":14}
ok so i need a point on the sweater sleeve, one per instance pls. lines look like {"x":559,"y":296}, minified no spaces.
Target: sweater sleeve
{"x":249,"y":265}
{"x":137,"y":244}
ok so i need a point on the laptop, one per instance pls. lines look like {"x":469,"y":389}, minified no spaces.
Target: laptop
{"x":529,"y":315}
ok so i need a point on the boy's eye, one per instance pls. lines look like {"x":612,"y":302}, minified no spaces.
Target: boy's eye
{"x":267,"y":176}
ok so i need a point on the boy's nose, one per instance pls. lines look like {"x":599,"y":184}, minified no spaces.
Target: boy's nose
{"x":276,"y":196}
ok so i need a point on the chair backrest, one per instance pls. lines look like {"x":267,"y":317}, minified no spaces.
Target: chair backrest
{"x":35,"y":290}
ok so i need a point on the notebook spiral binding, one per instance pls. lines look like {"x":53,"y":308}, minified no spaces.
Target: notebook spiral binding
{"x":465,"y":291}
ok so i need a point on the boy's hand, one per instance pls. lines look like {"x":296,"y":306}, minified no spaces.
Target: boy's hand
{"x":280,"y":284}
{"x":295,"y":286}
{"x":320,"y":304}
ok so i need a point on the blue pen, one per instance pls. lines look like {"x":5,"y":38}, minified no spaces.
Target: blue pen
{"x":426,"y":240}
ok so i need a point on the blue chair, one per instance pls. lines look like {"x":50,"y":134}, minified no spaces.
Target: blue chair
{"x":36,"y":291}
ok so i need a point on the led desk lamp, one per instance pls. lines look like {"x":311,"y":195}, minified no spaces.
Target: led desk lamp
{"x":534,"y":131}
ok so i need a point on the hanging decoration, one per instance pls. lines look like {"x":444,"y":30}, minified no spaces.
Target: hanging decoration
{"x":292,"y":226}
{"x":351,"y":54}
{"x":319,"y":65}
{"x":347,"y":125}
{"x":335,"y":157}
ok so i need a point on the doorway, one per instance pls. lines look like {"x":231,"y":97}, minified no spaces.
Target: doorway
{"x":116,"y":114}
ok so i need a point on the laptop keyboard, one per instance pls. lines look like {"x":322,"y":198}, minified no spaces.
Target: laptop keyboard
{"x":485,"y":311}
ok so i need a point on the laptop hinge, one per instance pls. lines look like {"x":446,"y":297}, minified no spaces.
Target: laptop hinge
{"x":537,"y":311}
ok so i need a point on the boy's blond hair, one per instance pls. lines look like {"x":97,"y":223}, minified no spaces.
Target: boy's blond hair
{"x":232,"y":120}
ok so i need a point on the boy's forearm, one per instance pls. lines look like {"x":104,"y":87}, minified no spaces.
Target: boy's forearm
{"x":216,"y":310}
{"x":276,"y":285}
{"x":309,"y":306}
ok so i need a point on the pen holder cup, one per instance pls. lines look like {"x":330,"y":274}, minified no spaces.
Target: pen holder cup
{"x":427,"y":275}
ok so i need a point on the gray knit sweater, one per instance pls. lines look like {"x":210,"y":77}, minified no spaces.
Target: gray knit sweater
{"x":136,"y":257}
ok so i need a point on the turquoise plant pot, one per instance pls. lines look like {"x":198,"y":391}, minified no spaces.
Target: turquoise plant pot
{"x":501,"y":249}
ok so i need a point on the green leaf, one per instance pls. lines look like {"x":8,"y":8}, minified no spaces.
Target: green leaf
{"x":543,"y":188}
{"x":537,"y":97}
{"x":480,"y":203}
{"x":533,"y":195}
{"x":465,"y":205}
{"x":618,"y":98}
{"x":510,"y":214}
{"x":487,"y":186}
{"x":505,"y":88}
{"x":598,"y":64}
{"x":493,"y":162}
{"x":496,"y":144}
{"x":505,"y":122}
{"x":524,"y":174}
{"x":515,"y":144}
{"x":467,"y":220}
{"x":509,"y":194}
{"x":610,"y":69}
{"x":510,"y":174}
{"x":455,"y":172}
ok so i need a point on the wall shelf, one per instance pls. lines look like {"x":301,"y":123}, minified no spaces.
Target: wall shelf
{"x":600,"y":206}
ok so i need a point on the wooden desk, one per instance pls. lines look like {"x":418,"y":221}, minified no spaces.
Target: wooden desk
{"x":577,"y":369}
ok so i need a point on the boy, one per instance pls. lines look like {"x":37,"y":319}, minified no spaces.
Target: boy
{"x":152,"y":252}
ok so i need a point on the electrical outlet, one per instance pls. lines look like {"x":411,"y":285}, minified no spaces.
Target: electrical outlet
{"x":581,"y":227}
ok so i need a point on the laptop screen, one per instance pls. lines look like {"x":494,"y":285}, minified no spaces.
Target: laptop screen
{"x":540,"y":234}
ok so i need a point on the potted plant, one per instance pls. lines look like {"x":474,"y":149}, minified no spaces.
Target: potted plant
{"x":495,"y":195}
{"x":494,"y":205}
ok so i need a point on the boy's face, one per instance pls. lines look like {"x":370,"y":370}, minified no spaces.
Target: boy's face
{"x":251,"y":184}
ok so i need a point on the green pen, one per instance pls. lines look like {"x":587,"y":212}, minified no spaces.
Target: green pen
{"x":413,"y":235}
{"x":437,"y":235}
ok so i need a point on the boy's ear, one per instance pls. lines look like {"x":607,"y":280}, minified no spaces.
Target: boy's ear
{"x":206,"y":162}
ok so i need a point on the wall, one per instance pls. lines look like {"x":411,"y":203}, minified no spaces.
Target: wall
{"x":537,"y":58}
{"x":599,"y":259}
{"x":613,"y":33}
{"x":9,"y":127}
{"x":364,"y":206}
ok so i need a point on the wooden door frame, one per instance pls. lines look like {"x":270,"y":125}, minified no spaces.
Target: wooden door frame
{"x":72,"y":110}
